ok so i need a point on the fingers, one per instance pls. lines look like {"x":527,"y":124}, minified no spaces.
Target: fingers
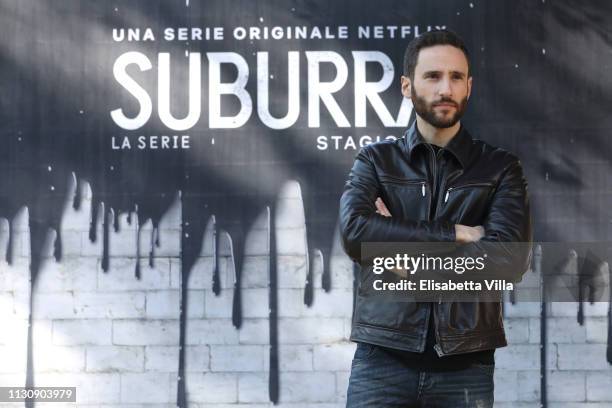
{"x":381,"y":208}
{"x":481,"y":231}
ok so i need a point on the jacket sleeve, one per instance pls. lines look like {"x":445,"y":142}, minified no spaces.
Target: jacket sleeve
{"x":508,"y":228}
{"x":359,"y":221}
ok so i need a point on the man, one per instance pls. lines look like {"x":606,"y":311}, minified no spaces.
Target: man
{"x":436,"y":184}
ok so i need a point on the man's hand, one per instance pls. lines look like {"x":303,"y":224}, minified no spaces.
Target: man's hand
{"x":381,"y":208}
{"x":465,"y":234}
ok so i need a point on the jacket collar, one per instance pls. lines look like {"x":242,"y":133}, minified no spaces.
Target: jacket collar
{"x":459,"y":145}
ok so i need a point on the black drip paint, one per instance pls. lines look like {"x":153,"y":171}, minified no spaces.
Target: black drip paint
{"x":273,"y":382}
{"x":537,"y":267}
{"x":216,"y":285}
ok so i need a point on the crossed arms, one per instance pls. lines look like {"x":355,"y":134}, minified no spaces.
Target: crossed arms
{"x":365,"y":218}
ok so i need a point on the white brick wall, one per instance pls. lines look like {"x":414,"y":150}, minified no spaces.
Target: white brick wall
{"x":117,"y":338}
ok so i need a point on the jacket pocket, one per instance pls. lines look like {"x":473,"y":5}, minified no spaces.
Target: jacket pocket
{"x":405,"y":198}
{"x":467,"y":203}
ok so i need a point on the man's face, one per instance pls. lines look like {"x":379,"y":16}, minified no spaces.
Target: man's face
{"x":441,"y":85}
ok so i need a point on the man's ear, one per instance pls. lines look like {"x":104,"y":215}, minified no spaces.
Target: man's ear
{"x":469,"y":87}
{"x":406,"y":86}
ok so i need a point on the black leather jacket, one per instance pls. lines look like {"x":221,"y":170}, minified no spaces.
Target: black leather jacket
{"x":481,"y":185}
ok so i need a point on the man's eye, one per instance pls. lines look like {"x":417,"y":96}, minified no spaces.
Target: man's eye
{"x":433,"y":76}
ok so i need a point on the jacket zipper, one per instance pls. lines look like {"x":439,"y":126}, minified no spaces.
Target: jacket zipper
{"x":434,"y":163}
{"x":463,"y":186}
{"x":397,"y":180}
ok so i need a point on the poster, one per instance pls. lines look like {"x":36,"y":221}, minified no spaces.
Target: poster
{"x":143,"y":142}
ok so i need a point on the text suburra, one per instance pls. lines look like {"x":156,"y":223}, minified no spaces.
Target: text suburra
{"x":318,"y":91}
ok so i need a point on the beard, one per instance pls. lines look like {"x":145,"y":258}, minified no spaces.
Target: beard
{"x":428,"y":113}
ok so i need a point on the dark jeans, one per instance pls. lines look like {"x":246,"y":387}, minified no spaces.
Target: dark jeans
{"x":380,"y":379}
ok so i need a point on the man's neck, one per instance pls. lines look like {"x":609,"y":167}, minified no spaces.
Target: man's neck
{"x":437,"y":136}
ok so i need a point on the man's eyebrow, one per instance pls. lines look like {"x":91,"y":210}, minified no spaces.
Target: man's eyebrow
{"x":461,"y":74}
{"x":433,"y":71}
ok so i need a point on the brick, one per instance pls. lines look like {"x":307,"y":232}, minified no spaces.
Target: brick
{"x":566,"y":386}
{"x":196,"y":304}
{"x":255,"y":331}
{"x":92,"y":249}
{"x":197,"y":358}
{"x":308,"y":387}
{"x":122,"y":243}
{"x":597,"y":330}
{"x":237,"y":358}
{"x":121,"y":276}
{"x":257,"y":242}
{"x":597,"y":309}
{"x":565,"y":330}
{"x":518,"y":357}
{"x":91,"y":388}
{"x":295,"y":358}
{"x":145,"y":332}
{"x":528,"y":385}
{"x":147,"y":388}
{"x":310,"y":330}
{"x":72,"y":242}
{"x":342,"y":382}
{"x":200,"y":276}
{"x":211,"y":331}
{"x":14,"y":331}
{"x":48,"y":358}
{"x":348,"y":326}
{"x":337,"y":303}
{"x":522,"y":309}
{"x":342,"y":272}
{"x":582,"y":357}
{"x":219,"y":306}
{"x":508,"y":391}
{"x":517,"y":330}
{"x":333,"y":357}
{"x":255,"y":272}
{"x":165,"y":304}
{"x":291,"y":189}
{"x":253,"y":387}
{"x":115,"y":359}
{"x":534,"y":330}
{"x":212,"y":387}
{"x":161,"y":358}
{"x":598,"y":386}
{"x":109,"y":304}
{"x":12,"y":380}
{"x":169,"y":243}
{"x":291,"y":272}
{"x":552,"y":357}
{"x":58,"y":305}
{"x":290,"y":302}
{"x":570,"y":309}
{"x":13,"y":359}
{"x":21,"y":303}
{"x":291,"y":242}
{"x":82,"y":332}
{"x":255,"y":303}
{"x":578,"y":405}
{"x":72,"y":273}
{"x":290,"y":214}
{"x":227,"y":276}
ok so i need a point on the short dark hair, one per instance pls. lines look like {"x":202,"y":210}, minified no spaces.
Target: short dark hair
{"x":429,"y":39}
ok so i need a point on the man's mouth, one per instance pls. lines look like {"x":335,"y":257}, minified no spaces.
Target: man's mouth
{"x":445,"y":105}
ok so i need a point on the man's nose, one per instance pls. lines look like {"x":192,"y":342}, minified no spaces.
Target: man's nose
{"x":445,"y":87}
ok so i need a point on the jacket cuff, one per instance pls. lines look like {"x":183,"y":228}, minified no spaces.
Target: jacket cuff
{"x":448,"y":232}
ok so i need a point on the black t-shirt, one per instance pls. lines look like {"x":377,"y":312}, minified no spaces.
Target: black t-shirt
{"x":429,"y":359}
